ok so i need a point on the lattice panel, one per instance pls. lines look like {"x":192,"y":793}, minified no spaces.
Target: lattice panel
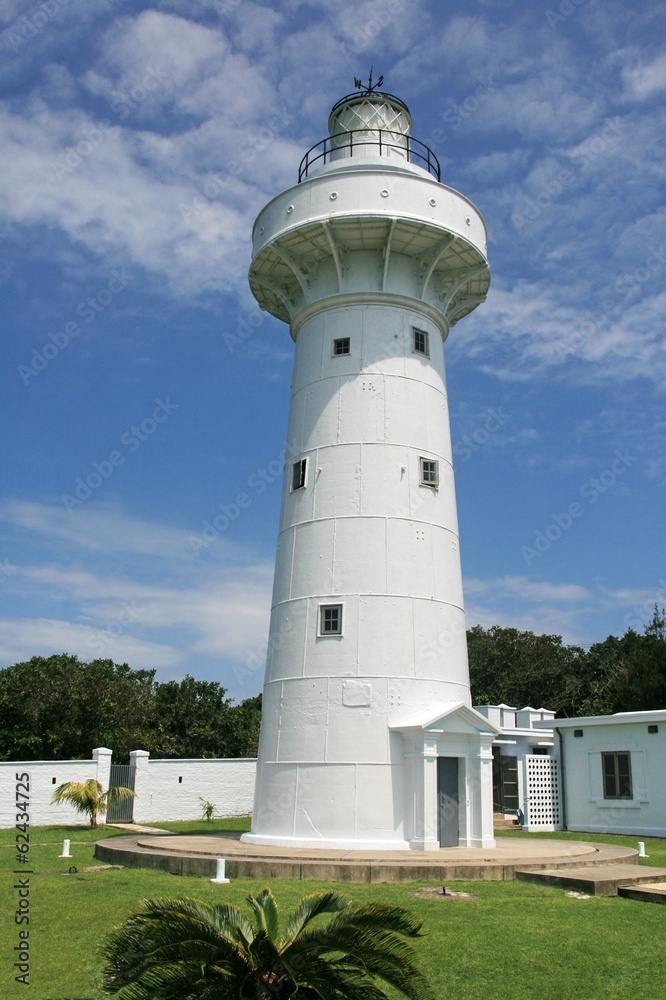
{"x":543,"y":792}
{"x":372,"y":115}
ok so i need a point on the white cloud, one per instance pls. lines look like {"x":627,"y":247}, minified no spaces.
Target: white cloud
{"x":565,"y":609}
{"x":23,"y":638}
{"x":99,"y":528}
{"x":527,"y":589}
{"x":183,"y":49}
{"x":536,"y":328}
{"x":646,"y":78}
{"x":130,"y":589}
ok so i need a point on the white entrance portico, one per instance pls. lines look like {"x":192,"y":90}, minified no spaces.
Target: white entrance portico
{"x":448,"y":804}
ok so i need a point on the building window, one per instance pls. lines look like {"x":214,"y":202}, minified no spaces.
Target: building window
{"x":616,"y":771}
{"x":578,"y":732}
{"x":653,"y":729}
{"x":298,"y":474}
{"x":330,"y":619}
{"x":429,"y":472}
{"x":420,"y":343}
{"x":341,"y":346}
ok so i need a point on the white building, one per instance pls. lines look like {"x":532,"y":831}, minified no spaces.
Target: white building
{"x":614,"y":772}
{"x":368,"y":735}
{"x":526,"y":773}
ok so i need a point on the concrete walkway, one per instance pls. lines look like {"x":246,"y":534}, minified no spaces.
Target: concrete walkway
{"x":137,"y":828}
{"x":600,"y":880}
{"x":650,"y":892}
{"x":196,"y":855}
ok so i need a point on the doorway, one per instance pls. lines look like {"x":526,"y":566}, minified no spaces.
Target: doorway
{"x":448,"y":802}
{"x":505,"y":782}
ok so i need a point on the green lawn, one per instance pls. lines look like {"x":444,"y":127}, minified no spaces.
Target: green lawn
{"x":515,"y":941}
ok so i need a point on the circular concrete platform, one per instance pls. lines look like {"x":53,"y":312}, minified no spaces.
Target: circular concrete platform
{"x":196,"y":855}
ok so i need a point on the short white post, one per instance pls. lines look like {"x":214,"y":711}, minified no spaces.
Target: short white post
{"x":65,"y":849}
{"x":219,"y":875}
{"x":641,"y":850}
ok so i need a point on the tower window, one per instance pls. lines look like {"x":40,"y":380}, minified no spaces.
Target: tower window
{"x":420,"y":342}
{"x":616,"y":772}
{"x":330,"y":619}
{"x":298,"y":474}
{"x":429,"y":472}
{"x":341,"y":346}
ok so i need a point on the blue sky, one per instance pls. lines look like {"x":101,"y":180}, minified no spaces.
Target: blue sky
{"x":138,"y":143}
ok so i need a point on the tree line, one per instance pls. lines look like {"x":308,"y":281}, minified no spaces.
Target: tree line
{"x":59,"y":708}
{"x":625,"y":674}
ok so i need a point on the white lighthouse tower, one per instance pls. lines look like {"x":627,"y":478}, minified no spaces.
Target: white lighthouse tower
{"x":368,"y":738}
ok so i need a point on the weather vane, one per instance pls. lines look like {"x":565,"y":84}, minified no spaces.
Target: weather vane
{"x":369,"y":89}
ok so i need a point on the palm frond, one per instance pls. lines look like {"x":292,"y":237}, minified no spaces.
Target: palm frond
{"x":337,"y":983}
{"x":168,"y":940}
{"x":116,"y":794}
{"x":185,"y":949}
{"x":83,"y":795}
{"x":265,"y":912}
{"x":309,"y":908}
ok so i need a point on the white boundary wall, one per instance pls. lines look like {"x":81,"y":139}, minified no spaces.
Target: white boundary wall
{"x":44,"y":778}
{"x":160,"y":796}
{"x":170,"y":789}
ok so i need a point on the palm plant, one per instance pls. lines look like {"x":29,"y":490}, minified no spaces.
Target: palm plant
{"x":207,"y":809}
{"x":87,"y":797}
{"x":185,"y":949}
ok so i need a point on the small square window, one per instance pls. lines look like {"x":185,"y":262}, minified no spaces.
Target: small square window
{"x":420,"y":344}
{"x":341,"y":346}
{"x":429,"y":472}
{"x":578,"y":732}
{"x":298,"y":474}
{"x":653,"y":729}
{"x":616,"y":773}
{"x":330,"y":619}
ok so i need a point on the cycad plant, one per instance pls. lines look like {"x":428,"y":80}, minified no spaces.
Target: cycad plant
{"x":87,"y":797}
{"x":185,"y":949}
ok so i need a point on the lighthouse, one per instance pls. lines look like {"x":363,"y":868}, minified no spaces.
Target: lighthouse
{"x":368,"y":736}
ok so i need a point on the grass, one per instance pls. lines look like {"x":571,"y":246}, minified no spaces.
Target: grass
{"x":228,"y":824}
{"x":516,"y":941}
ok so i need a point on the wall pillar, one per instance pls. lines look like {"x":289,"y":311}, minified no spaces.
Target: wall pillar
{"x":102,"y":757}
{"x":425,"y":832}
{"x":480,"y":795}
{"x":140,"y":761}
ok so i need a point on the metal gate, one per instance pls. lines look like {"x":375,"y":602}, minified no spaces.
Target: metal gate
{"x":122,"y":775}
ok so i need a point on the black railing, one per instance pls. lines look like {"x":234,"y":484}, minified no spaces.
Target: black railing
{"x":384,"y":139}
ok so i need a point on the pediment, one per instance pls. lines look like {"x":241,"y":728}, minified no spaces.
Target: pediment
{"x":451,"y":717}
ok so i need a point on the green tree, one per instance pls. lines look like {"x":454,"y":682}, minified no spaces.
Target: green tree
{"x":184,"y":949}
{"x":59,"y":707}
{"x":88,"y":798}
{"x":198,"y":720}
{"x":629,"y":674}
{"x":521,"y":668}
{"x":247,"y":723}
